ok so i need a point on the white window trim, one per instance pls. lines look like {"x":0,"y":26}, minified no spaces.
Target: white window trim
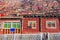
{"x":11,"y":24}
{"x":50,"y":27}
{"x":35,"y":24}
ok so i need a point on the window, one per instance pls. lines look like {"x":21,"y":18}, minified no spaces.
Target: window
{"x":32,"y":24}
{"x":51,"y":24}
{"x":16,"y":24}
{"x":12,"y":25}
{"x":7,"y":25}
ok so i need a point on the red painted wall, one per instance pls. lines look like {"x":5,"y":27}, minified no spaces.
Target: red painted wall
{"x":1,"y":31}
{"x":25,"y":30}
{"x":25,"y":24}
{"x":51,"y":30}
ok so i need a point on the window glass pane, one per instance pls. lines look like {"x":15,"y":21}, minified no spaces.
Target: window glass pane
{"x":49,"y":24}
{"x":18,"y":25}
{"x":29,"y":24}
{"x":14,"y":24}
{"x":53,"y":24}
{"x":33,"y":24}
{"x":5,"y":24}
{"x":9,"y":25}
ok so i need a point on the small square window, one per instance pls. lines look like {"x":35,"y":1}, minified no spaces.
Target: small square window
{"x":51,"y":24}
{"x":32,"y":24}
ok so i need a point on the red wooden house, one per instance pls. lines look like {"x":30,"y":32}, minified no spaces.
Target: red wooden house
{"x":30,"y":25}
{"x":50,"y":25}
